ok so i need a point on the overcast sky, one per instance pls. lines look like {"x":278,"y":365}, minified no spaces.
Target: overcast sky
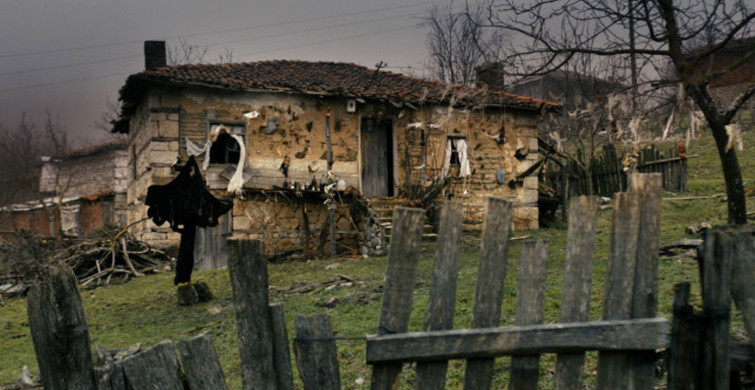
{"x":69,"y":56}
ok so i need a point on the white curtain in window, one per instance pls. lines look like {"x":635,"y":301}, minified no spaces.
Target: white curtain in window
{"x":236,"y":183}
{"x":461,"y":150}
{"x":447,"y":161}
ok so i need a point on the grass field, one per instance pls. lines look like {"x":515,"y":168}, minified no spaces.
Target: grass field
{"x":144,"y":310}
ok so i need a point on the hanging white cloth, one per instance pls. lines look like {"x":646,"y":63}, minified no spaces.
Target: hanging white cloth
{"x":460,"y":145}
{"x":193,"y":150}
{"x":461,"y":149}
{"x":236,"y":183}
{"x":447,"y":161}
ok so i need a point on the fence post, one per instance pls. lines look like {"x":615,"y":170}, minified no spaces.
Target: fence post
{"x":743,"y":274}
{"x":398,"y":288}
{"x":59,"y":330}
{"x":530,"y":301}
{"x":155,"y":368}
{"x":440,"y":308}
{"x":247,"y":266}
{"x":612,"y":368}
{"x":200,"y":363}
{"x":575,"y":294}
{"x":645,"y":296}
{"x":282,"y":355}
{"x":489,"y":291}
{"x":316,"y":353}
{"x":684,"y":352}
{"x":716,"y":262}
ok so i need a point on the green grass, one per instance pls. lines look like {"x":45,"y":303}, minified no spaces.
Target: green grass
{"x":145,"y":310}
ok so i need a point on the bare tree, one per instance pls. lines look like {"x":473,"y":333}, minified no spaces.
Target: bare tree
{"x":184,"y":52}
{"x":21,"y":149}
{"x":648,"y":34}
{"x":458,"y":43}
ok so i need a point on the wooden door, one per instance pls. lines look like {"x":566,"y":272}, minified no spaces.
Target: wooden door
{"x":210,"y":249}
{"x":377,"y":157}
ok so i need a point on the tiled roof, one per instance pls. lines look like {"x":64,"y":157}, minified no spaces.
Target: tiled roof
{"x":323,"y":78}
{"x":118,"y":143}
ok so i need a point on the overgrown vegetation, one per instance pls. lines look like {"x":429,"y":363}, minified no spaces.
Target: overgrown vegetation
{"x":145,"y":310}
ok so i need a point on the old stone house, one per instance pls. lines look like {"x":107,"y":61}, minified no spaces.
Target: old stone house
{"x":276,"y":124}
{"x":80,"y":192}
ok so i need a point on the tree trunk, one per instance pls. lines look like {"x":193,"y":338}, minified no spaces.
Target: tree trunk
{"x":735,"y":190}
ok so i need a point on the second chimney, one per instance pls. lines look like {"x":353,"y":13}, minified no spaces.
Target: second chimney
{"x":154,"y":55}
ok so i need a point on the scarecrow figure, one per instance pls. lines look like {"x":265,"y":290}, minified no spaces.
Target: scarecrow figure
{"x":185,"y":203}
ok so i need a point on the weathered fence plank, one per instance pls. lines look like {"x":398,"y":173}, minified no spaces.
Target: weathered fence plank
{"x":200,"y":364}
{"x":398,"y":288}
{"x":155,"y":368}
{"x":716,"y":264}
{"x":684,"y":351}
{"x":440,"y":308}
{"x":530,"y":300}
{"x":616,"y":335}
{"x":645,"y":297}
{"x":612,"y":367}
{"x":59,"y":330}
{"x":575,"y":294}
{"x":743,"y":275}
{"x":316,"y":353}
{"x":281,"y":352}
{"x":489,"y":291}
{"x":247,"y":267}
{"x":110,"y":377}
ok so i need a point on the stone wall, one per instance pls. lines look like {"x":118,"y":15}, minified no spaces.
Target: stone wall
{"x":168,"y":115}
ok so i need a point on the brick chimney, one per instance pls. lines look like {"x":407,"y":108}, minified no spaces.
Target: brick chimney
{"x":154,"y":55}
{"x":490,"y":76}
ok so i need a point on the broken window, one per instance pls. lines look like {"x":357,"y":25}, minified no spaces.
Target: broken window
{"x":456,"y":156}
{"x":226,"y":147}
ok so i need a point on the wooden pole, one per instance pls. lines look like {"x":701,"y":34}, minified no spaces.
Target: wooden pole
{"x":200,"y":363}
{"x":716,"y":265}
{"x":612,"y":366}
{"x":316,"y":353}
{"x":59,"y":330}
{"x":489,"y":291}
{"x":530,"y":301}
{"x":645,"y":291}
{"x":686,"y":335}
{"x":575,"y":294}
{"x":440,"y":308}
{"x":155,"y":368}
{"x":247,"y":266}
{"x":743,"y":274}
{"x":281,"y":351}
{"x":398,"y":288}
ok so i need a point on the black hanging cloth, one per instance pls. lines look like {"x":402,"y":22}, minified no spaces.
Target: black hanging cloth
{"x":185,"y":203}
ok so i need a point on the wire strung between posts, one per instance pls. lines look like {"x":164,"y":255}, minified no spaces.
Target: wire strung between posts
{"x":308,"y":340}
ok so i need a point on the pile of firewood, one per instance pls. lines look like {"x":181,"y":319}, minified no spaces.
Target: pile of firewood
{"x":112,"y":257}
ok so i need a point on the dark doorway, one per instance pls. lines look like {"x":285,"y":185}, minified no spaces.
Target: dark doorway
{"x":377,"y":157}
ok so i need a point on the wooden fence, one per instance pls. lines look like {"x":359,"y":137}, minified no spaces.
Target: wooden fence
{"x":608,"y":177}
{"x":626,"y":339}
